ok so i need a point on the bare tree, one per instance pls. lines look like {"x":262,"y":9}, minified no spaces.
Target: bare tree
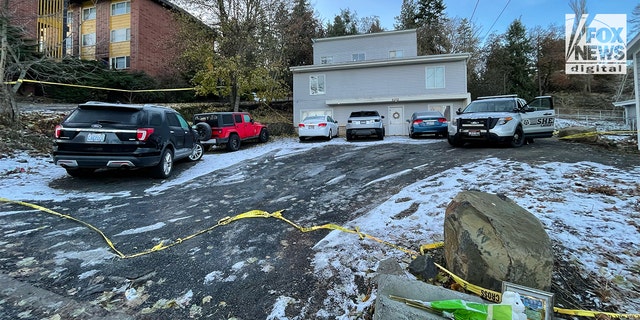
{"x":242,"y":60}
{"x":9,"y":110}
{"x":579,"y":7}
{"x":634,"y":21}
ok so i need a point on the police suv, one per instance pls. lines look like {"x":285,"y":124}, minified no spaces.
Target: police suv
{"x":503,"y":119}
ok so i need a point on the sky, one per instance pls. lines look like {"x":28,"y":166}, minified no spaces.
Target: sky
{"x":593,"y":227}
{"x":490,"y":15}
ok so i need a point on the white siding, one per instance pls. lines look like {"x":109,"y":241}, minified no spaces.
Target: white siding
{"x":375,"y":46}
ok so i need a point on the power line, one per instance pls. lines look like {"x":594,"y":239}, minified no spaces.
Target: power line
{"x":474,"y":11}
{"x":496,"y":20}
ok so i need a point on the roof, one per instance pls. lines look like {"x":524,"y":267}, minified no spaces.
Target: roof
{"x":366,"y":35}
{"x":633,"y":46}
{"x":382,"y":63}
{"x":626,"y":103}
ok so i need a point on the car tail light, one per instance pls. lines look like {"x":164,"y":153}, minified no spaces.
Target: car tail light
{"x":323,"y":124}
{"x":417,"y":121}
{"x":57,"y":131}
{"x":301,"y":125}
{"x":442,"y":120}
{"x":142,"y":134}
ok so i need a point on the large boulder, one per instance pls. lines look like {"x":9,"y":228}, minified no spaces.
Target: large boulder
{"x":488,"y":239}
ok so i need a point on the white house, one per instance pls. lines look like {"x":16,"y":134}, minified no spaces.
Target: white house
{"x":378,"y":71}
{"x":633,"y":52}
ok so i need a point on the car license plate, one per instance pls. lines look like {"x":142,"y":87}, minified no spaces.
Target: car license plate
{"x":95,"y":137}
{"x":429,"y":123}
{"x":474,"y":133}
{"x":311,"y":126}
{"x":363,"y":121}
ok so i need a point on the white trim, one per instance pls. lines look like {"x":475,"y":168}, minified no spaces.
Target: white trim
{"x":383,"y":63}
{"x":636,"y":81}
{"x":420,"y":98}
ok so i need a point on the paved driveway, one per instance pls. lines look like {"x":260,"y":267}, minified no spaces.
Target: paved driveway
{"x":240,"y":270}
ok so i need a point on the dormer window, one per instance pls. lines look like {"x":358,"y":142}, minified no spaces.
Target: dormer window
{"x":394,"y":54}
{"x":357,"y":57}
{"x":326,"y":60}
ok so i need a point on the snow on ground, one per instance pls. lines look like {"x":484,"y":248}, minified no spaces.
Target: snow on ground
{"x":591,"y":209}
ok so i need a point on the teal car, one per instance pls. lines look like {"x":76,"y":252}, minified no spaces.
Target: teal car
{"x":427,"y":123}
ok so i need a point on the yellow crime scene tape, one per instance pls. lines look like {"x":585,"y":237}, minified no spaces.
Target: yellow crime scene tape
{"x":97,"y":88}
{"x":486,"y":294}
{"x":596,"y":133}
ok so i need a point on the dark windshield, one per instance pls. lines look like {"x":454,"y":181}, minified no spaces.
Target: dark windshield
{"x":115,"y":115}
{"x":501,"y":105}
{"x":364,"y":114}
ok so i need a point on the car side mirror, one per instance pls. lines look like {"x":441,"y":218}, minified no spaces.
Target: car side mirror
{"x":382,"y":117}
{"x":459,"y":111}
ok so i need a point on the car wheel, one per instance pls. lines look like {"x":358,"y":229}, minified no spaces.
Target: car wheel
{"x":234,"y":142}
{"x":204,"y":131}
{"x":79,"y":172}
{"x":349,"y":136}
{"x":411,"y":135}
{"x":302,"y":139}
{"x":197,"y":152}
{"x":381,"y":135}
{"x":330,"y":136}
{"x":163,"y":169}
{"x":264,"y":135}
{"x":453,"y":141}
{"x":518,"y":138}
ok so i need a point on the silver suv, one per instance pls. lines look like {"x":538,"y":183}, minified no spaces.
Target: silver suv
{"x":504,"y":119}
{"x":365,"y":123}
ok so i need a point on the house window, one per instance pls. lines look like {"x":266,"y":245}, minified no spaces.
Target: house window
{"x":88,"y":39}
{"x":326,"y":60}
{"x":121,"y":35}
{"x":120,"y":62}
{"x":357,"y":57}
{"x":435,"y":77}
{"x":89,"y":13}
{"x":316,"y":84}
{"x":396,"y":54}
{"x":120,"y":8}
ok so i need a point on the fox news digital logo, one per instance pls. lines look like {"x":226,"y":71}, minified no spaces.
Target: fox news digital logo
{"x":596,"y":44}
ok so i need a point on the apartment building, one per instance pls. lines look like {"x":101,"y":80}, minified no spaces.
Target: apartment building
{"x":136,"y":35}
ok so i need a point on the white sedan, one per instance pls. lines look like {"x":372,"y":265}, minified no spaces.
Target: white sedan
{"x":318,"y":126}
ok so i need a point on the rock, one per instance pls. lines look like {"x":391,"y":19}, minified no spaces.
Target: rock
{"x":488,"y":239}
{"x":423,"y":267}
{"x":578,"y":134}
{"x":390,"y":266}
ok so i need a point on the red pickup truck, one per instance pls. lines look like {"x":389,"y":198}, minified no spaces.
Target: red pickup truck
{"x":228,"y":128}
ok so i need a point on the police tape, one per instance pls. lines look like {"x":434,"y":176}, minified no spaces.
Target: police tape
{"x":598,"y":133}
{"x":486,"y":294}
{"x":224,"y":221}
{"x":494,"y":296}
{"x":97,"y":88}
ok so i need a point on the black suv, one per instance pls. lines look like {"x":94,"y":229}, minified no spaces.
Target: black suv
{"x":105,"y":135}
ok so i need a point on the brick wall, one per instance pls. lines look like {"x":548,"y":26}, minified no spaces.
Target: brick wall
{"x":24,"y":14}
{"x":152,"y":31}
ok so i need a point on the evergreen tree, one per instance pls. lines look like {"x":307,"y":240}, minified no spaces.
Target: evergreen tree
{"x":520,"y":61}
{"x":344,"y":24}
